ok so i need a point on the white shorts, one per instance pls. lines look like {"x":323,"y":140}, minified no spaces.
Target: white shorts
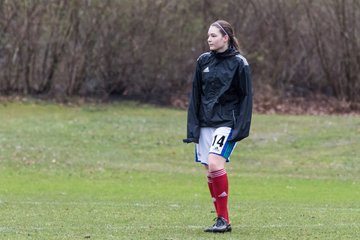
{"x":214,"y":140}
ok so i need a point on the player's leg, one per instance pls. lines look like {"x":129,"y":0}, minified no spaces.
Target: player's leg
{"x":220,"y":187}
{"x":220,"y":152}
{"x":202,"y":153}
{"x":211,"y":188}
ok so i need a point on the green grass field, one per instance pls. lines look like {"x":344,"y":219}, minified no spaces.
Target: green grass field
{"x":121,"y":171}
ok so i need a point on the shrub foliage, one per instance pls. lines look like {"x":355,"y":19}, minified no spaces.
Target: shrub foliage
{"x":147,"y":48}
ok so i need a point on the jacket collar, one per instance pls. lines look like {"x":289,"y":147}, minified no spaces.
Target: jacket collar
{"x":231,"y":51}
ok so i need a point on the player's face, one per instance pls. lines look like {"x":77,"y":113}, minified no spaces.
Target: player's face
{"x":217,"y":42}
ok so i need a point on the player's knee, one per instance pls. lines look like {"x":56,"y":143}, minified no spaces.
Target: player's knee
{"x":213,"y":167}
{"x":216,"y":163}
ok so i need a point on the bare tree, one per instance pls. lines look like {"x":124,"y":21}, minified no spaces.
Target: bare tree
{"x":147,"y":48}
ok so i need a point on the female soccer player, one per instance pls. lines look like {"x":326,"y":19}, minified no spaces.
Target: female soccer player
{"x":219,"y":113}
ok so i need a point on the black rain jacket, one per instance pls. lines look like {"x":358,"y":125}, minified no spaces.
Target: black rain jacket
{"x":221,"y":95}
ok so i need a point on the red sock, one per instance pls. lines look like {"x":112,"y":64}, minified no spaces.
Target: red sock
{"x":210,"y":184}
{"x":221,"y":190}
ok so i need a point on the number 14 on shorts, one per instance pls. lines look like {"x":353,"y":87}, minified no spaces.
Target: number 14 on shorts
{"x":218,"y":143}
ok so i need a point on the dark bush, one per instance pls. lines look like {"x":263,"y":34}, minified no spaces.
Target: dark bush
{"x":147,"y":49}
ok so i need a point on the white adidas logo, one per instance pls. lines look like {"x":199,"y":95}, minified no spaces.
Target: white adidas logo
{"x":224,"y":194}
{"x":206,"y":69}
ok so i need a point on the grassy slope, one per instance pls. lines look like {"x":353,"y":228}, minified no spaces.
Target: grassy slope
{"x":122,"y":172}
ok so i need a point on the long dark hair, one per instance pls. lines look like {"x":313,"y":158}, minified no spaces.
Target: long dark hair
{"x":226,"y":29}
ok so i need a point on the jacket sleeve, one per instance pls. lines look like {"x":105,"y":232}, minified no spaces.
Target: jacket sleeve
{"x":193,"y":126}
{"x":243,"y":121}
